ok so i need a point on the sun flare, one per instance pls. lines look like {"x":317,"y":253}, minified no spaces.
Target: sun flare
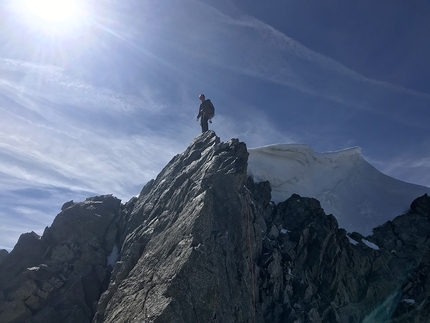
{"x":53,"y":18}
{"x":52,"y":10}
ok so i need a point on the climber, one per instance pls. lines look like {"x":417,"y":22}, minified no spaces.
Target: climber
{"x":206,"y":112}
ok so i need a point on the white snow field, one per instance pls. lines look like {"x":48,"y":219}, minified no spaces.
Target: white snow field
{"x":356,"y":193}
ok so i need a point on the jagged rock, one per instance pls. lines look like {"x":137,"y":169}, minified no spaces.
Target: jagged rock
{"x":329,"y":279}
{"x":67,"y":205}
{"x":186,"y":242}
{"x":421,"y":206}
{"x":203,"y":243}
{"x":56,"y":277}
{"x":408,"y":241}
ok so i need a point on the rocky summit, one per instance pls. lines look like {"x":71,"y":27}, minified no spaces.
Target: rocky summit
{"x":203,"y":243}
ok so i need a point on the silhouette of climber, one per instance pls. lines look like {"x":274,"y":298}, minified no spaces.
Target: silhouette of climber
{"x":206,"y":112}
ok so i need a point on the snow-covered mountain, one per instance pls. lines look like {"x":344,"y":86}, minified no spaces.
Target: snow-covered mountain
{"x":357,"y":194}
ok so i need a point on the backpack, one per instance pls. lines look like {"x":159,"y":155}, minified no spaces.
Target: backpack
{"x":209,"y":109}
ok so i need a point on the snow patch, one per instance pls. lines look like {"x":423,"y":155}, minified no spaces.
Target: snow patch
{"x":370,"y":244}
{"x":113,"y":257}
{"x":352,"y":240}
{"x":408,"y":300}
{"x":256,"y":180}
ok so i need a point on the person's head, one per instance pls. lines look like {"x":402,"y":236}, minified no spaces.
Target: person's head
{"x":202,"y":97}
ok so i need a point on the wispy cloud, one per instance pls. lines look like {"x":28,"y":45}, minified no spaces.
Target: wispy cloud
{"x":255,"y":127}
{"x":412,"y":167}
{"x":91,"y":161}
{"x":20,"y":80}
{"x":249,"y":46}
{"x":71,"y":138}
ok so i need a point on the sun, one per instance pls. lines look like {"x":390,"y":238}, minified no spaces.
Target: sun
{"x":52,"y":10}
{"x":53,"y":18}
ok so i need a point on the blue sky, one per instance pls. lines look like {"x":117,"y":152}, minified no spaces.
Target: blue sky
{"x":100,"y":102}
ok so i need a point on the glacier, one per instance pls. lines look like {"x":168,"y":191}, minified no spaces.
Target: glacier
{"x":356,"y":193}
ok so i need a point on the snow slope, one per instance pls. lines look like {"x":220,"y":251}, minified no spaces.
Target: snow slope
{"x":357,"y":194}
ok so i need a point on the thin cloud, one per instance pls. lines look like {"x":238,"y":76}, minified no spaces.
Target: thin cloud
{"x":50,"y":142}
{"x":255,"y":127}
{"x":411,"y":162}
{"x":281,"y":71}
{"x":410,"y":167}
{"x":249,"y":46}
{"x":99,"y":164}
{"x":30,"y":215}
{"x":23,"y":79}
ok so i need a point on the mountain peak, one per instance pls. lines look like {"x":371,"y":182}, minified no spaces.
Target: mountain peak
{"x":357,"y":194}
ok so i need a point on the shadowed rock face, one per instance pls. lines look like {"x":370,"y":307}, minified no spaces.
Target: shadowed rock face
{"x":60,"y":276}
{"x":312,"y":272}
{"x":203,"y":243}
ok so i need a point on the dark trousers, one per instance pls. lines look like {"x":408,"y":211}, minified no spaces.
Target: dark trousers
{"x":204,"y":123}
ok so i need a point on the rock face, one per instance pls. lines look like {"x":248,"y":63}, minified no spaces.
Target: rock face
{"x":3,"y":254}
{"x":184,"y":241}
{"x":203,"y":243}
{"x":311,"y":271}
{"x":60,"y":276}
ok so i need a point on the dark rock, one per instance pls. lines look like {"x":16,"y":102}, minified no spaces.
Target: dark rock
{"x":261,"y":191}
{"x":3,"y":254}
{"x":329,"y":279}
{"x":67,"y":205}
{"x":55,"y":278}
{"x":14,"y":312}
{"x":421,"y":206}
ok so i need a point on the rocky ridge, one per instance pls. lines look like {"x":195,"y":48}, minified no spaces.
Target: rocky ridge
{"x":204,"y":243}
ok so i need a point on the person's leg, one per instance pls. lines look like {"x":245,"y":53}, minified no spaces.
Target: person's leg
{"x":204,"y":123}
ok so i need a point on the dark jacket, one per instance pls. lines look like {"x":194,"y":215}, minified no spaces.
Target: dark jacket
{"x":206,"y":109}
